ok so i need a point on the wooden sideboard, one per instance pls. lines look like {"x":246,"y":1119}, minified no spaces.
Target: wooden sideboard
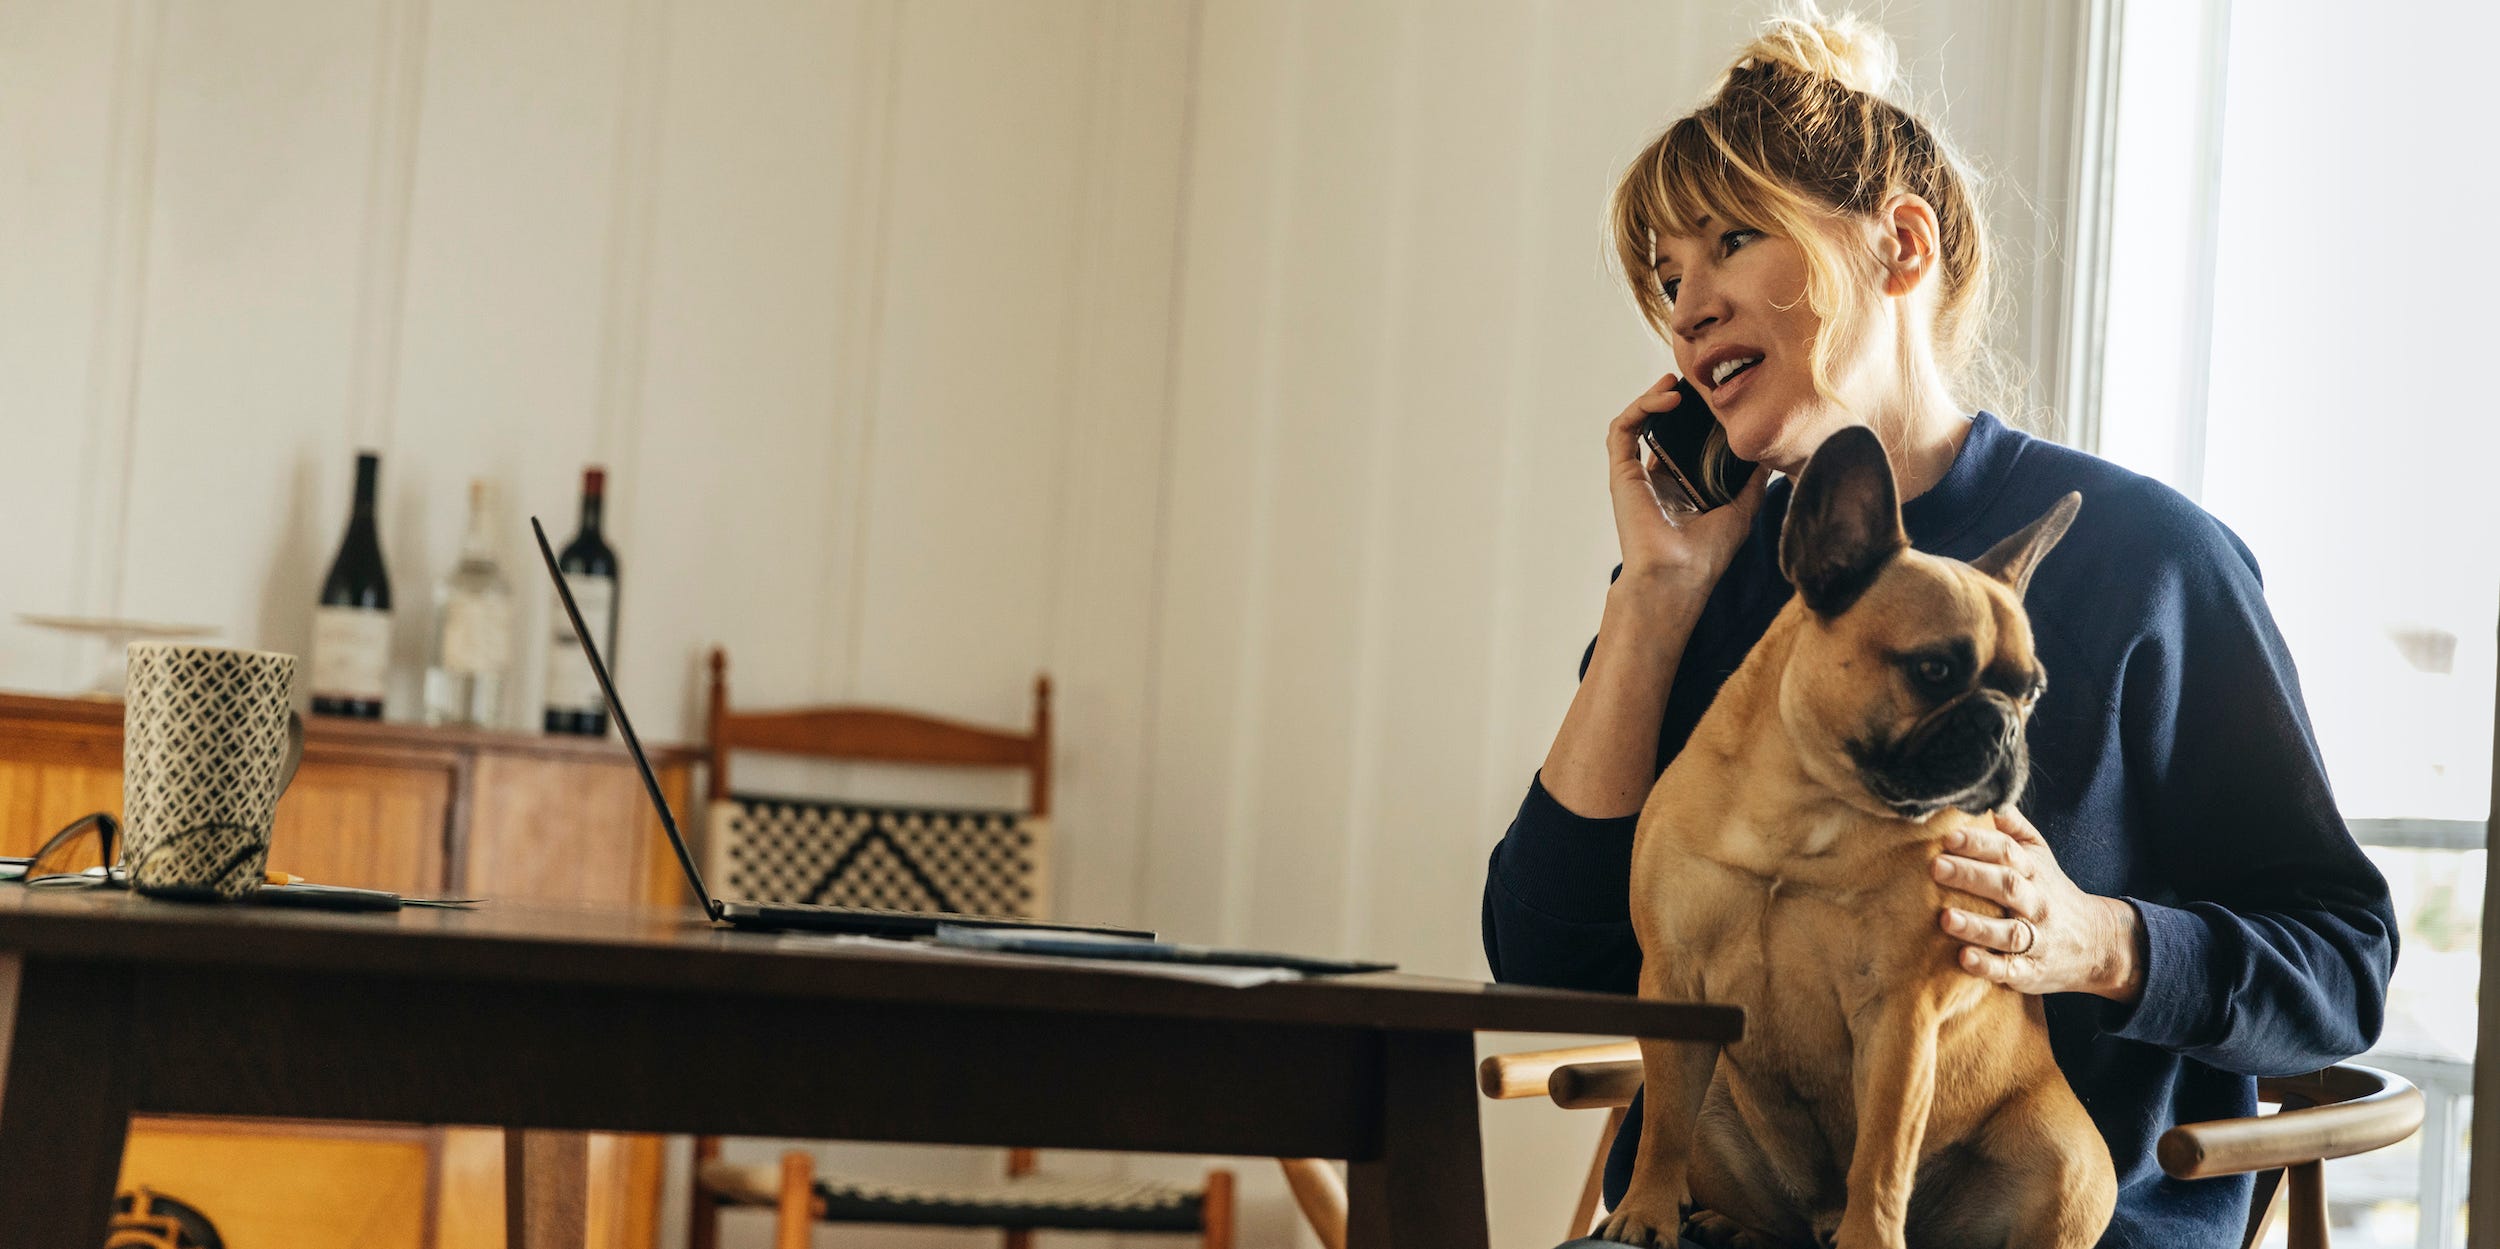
{"x":420,"y":811}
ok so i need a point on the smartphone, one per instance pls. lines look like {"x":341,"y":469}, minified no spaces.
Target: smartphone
{"x":1691,"y":468}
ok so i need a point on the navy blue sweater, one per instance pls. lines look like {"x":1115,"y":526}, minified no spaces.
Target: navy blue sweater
{"x":2172,"y":765}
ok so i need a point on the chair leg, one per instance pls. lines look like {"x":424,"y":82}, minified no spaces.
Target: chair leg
{"x":794,"y":1221}
{"x":1215,"y":1214}
{"x":2305,"y":1226}
{"x":1320,"y":1191}
{"x":2265,"y":1205}
{"x":1584,"y":1215}
{"x":703,"y":1212}
{"x":1021,"y":1163}
{"x":546,"y":1195}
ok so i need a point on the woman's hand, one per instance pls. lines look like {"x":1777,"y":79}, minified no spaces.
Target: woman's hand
{"x":1692,"y":549}
{"x":2056,"y":938}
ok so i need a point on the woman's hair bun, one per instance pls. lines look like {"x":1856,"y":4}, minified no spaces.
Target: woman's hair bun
{"x":1847,"y":49}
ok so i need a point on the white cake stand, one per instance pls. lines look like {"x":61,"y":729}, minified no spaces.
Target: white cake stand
{"x":117,"y":635}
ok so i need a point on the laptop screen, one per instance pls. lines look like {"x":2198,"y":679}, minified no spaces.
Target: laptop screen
{"x":624,"y":725}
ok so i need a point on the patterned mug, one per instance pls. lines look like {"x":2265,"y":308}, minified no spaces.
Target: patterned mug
{"x":210,"y":738}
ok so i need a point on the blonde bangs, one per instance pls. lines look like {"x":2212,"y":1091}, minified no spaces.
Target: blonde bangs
{"x":1692,"y":173}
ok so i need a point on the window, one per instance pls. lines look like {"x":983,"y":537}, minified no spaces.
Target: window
{"x":2300,"y":306}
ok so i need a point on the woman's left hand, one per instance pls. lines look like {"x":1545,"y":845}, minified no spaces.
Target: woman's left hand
{"x":2055,"y":938}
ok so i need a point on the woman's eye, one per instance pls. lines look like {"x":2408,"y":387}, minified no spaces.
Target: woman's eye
{"x":1728,"y":243}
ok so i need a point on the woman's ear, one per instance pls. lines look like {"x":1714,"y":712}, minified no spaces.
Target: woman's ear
{"x":1906,"y":242}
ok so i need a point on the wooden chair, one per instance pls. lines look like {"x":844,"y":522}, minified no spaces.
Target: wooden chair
{"x":2346,"y":1109}
{"x":981,"y":862}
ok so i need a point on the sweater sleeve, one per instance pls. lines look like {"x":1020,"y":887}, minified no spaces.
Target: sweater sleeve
{"x":1558,"y":896}
{"x":2270,"y":936}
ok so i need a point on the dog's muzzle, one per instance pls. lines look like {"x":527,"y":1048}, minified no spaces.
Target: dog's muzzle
{"x":1967,"y":754}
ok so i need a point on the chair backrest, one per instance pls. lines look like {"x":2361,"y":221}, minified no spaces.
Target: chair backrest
{"x":788,"y":849}
{"x":879,"y":735}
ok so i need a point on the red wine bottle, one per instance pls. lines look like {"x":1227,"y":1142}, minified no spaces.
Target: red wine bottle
{"x":352,"y":625}
{"x":573,"y":702}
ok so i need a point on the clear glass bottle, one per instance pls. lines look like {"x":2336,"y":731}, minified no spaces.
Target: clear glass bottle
{"x":464,"y":679}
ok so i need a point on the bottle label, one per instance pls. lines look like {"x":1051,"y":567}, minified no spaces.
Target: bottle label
{"x":477,"y":634}
{"x":351,"y":652}
{"x":571,"y":685}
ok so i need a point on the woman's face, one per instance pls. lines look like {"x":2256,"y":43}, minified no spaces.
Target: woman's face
{"x":1737,"y":293}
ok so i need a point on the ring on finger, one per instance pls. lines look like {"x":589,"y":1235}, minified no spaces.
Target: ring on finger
{"x":2031,"y":936}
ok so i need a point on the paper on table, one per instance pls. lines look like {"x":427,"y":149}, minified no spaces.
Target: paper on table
{"x":1229,"y":977}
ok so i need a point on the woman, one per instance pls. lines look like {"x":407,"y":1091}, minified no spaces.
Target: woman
{"x":2183,"y":892}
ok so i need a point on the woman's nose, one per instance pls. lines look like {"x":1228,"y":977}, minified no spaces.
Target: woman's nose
{"x":1695,"y":309}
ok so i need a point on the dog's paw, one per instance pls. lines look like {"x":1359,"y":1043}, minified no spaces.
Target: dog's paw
{"x":1711,"y":1228}
{"x":1638,"y":1222}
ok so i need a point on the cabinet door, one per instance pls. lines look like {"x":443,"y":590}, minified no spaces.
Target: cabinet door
{"x":267,"y":1184}
{"x":51,"y":774}
{"x":567,"y":830}
{"x":367,"y":823}
{"x":547,"y":829}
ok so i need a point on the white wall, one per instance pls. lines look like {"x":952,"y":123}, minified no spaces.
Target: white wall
{"x":1242,"y":363}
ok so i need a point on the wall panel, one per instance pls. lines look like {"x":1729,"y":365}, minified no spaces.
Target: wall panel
{"x":241,"y":373}
{"x":505,"y":277}
{"x":72,"y":194}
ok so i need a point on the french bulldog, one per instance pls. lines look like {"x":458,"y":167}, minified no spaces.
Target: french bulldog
{"x":1881,"y":1095}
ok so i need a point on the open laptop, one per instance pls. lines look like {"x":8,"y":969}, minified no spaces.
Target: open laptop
{"x":782,"y":916}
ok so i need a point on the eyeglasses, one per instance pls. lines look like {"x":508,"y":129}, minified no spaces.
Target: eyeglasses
{"x":64,"y":860}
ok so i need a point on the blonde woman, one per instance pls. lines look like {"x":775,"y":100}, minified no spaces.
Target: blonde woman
{"x":2183,"y":892}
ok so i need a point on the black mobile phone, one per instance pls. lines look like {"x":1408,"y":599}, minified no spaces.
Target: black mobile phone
{"x":1690,"y":456}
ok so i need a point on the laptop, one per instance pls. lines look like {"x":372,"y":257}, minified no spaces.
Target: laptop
{"x":775,"y":916}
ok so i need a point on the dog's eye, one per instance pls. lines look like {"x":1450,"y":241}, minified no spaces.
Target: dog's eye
{"x":1934,"y":670}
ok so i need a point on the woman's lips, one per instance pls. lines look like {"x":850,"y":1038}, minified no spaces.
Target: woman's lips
{"x":1720,"y":395}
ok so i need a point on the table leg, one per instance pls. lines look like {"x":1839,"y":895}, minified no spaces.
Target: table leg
{"x":546,"y":1195}
{"x":1426,"y":1190}
{"x":65,"y":1100}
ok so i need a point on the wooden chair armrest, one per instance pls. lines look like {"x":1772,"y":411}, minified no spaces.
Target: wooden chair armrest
{"x":1593,"y":1086}
{"x":2346,"y":1109}
{"x":1505,"y":1076}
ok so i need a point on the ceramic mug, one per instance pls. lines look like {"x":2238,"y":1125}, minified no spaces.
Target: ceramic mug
{"x":210,"y":738}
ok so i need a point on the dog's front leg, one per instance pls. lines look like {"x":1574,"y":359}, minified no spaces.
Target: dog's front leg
{"x":1894,"y":1066}
{"x":1674,"y":1077}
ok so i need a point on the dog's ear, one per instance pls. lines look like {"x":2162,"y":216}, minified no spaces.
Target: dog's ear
{"x":1844,"y":521}
{"x":2012,"y":560}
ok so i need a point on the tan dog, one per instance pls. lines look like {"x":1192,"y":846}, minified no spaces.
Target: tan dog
{"x":1881,"y":1095}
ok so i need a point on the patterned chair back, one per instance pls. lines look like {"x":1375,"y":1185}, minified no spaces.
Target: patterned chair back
{"x":765,"y":848}
{"x":769,"y":848}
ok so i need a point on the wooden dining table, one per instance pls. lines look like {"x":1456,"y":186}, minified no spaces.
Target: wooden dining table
{"x":581,"y":1019}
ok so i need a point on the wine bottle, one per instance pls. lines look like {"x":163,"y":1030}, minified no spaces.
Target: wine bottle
{"x":573,"y":701}
{"x":472,"y":626}
{"x":352,"y":625}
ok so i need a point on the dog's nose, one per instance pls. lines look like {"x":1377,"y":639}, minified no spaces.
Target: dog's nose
{"x":2009,"y":718}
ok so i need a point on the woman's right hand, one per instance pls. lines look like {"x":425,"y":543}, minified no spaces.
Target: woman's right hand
{"x":1692,"y":550}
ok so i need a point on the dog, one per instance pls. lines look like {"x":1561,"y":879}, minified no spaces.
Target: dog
{"x":1881,"y":1096}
